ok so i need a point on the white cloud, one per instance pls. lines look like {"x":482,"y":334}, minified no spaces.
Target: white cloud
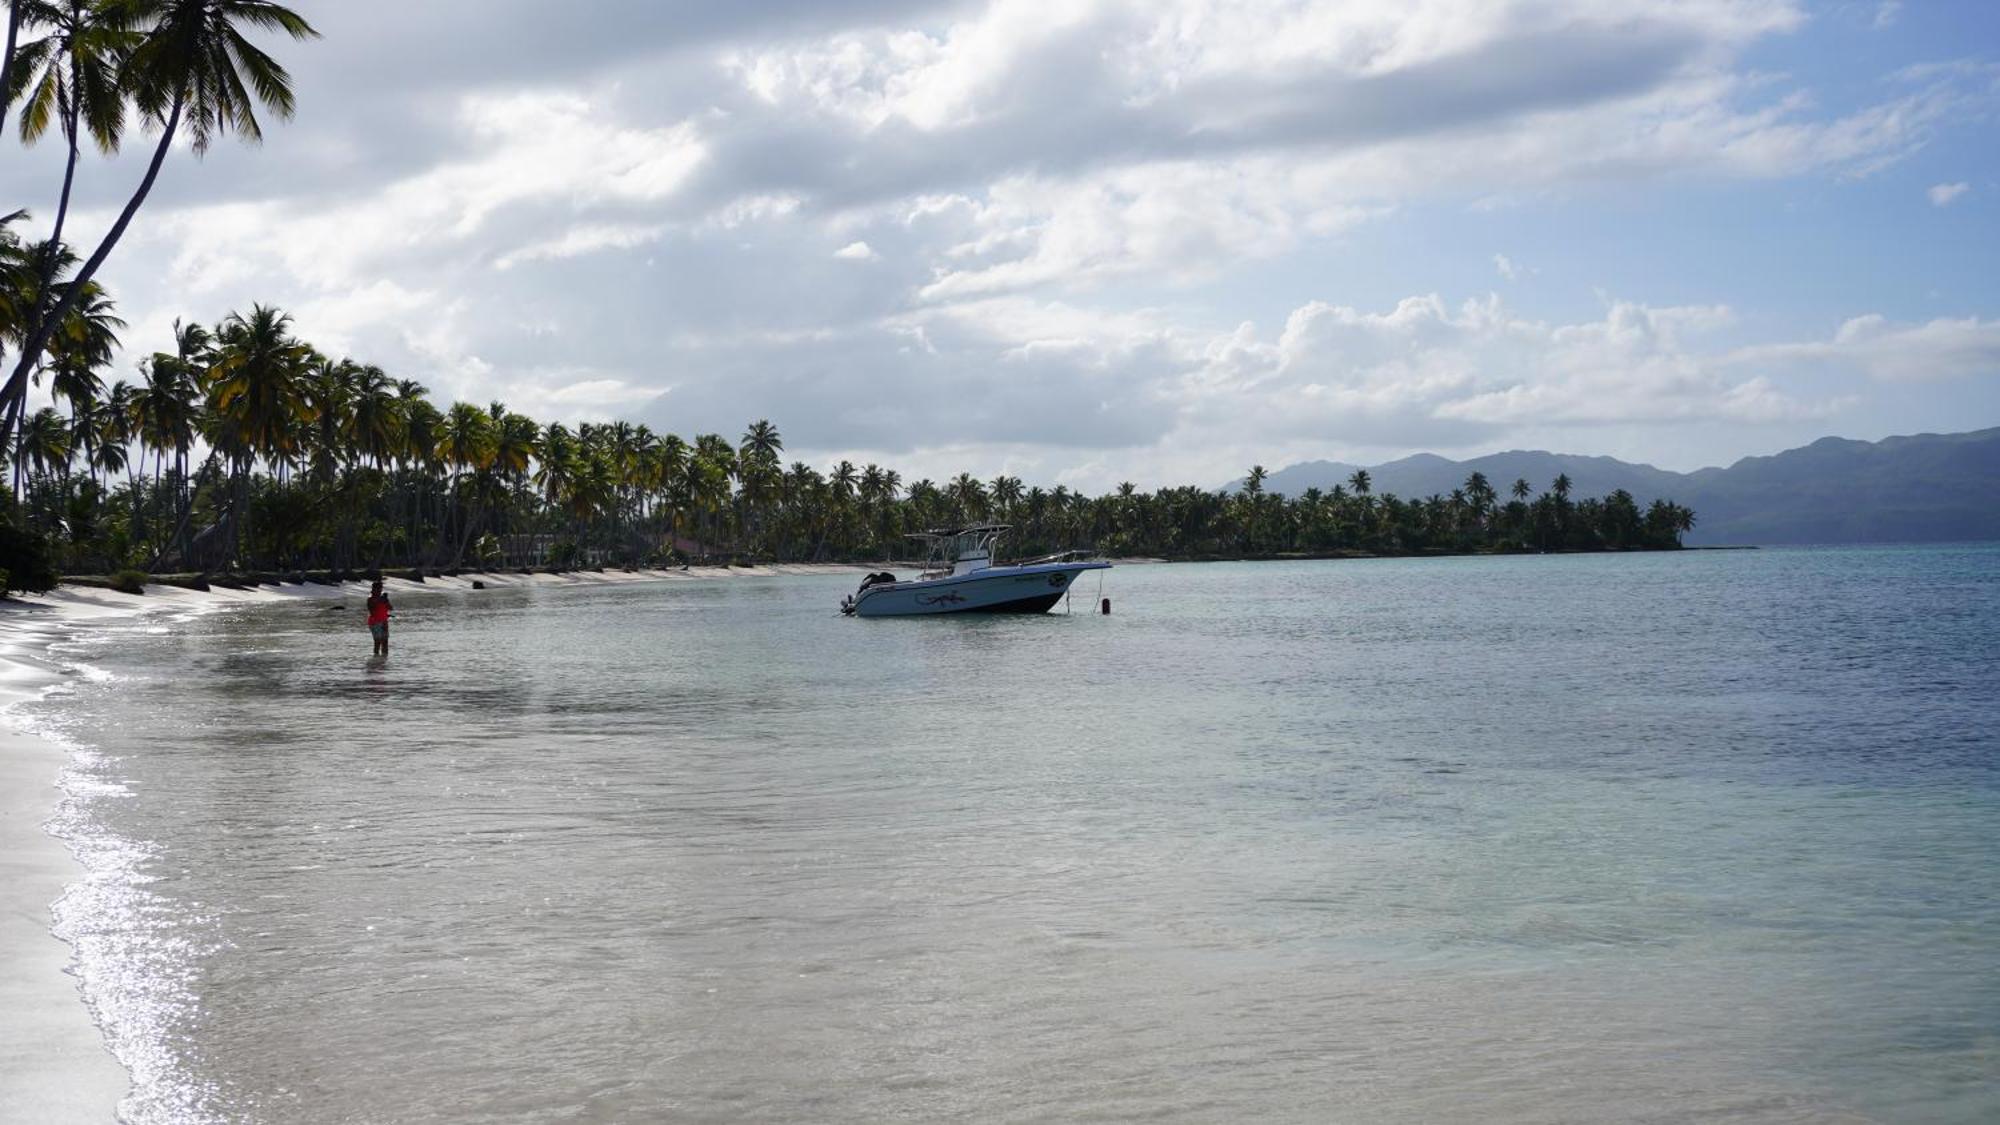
{"x":857,"y":251}
{"x":1942,"y":195}
{"x":584,"y":239}
{"x":1425,"y":366}
{"x":1506,"y":267}
{"x":1880,"y":348}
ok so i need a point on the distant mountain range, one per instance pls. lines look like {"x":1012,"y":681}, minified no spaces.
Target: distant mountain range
{"x":1922,"y":488}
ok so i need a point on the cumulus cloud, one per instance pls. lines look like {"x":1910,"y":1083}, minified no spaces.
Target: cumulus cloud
{"x":856,"y":251}
{"x":1437,"y":374}
{"x":1942,"y":195}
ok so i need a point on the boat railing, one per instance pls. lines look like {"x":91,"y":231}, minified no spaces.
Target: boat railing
{"x":1059,"y":556}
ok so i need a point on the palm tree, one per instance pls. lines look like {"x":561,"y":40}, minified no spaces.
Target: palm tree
{"x":89,"y":336}
{"x":374,"y":423}
{"x":673,"y":481}
{"x":516,"y":437}
{"x":326,"y":387}
{"x":555,"y":467}
{"x":467,"y":443}
{"x":164,"y":415}
{"x":110,"y":452}
{"x":259,"y":389}
{"x":967,"y":496}
{"x":79,"y":387}
{"x":71,"y":77}
{"x":762,"y":440}
{"x":1006,"y":492}
{"x":257,"y":404}
{"x":44,"y":445}
{"x":194,"y":66}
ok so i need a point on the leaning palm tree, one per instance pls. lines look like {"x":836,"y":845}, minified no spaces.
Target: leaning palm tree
{"x":192,"y":68}
{"x":70,"y":78}
{"x":21,"y":15}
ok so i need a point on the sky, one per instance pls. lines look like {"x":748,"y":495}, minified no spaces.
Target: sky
{"x":1096,"y":241}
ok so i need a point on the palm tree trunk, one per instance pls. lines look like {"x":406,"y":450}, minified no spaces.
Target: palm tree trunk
{"x":16,"y":390}
{"x":465,"y":535}
{"x":54,"y":249}
{"x":180,"y":531}
{"x":184,"y":499}
{"x":13,"y":33}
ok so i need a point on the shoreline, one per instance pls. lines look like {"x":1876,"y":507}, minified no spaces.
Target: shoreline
{"x":55,"y":1066}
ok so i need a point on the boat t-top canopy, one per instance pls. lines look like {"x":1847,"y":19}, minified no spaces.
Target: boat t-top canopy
{"x":937,"y":533}
{"x":961,"y":550}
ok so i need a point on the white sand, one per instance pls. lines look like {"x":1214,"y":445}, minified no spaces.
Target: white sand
{"x":53,"y":1063}
{"x":54,"y":1067}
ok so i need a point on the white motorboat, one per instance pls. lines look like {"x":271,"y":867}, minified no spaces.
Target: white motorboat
{"x":960,"y":578}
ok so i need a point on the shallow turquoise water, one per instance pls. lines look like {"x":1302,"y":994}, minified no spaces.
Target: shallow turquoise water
{"x":1651,"y":838}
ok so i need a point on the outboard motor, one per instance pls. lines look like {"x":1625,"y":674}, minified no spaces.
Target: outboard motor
{"x":848,"y":603}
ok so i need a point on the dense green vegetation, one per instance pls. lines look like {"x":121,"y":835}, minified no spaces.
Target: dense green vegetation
{"x":241,"y":446}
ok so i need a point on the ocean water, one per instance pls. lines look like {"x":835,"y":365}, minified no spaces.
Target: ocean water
{"x":1661,"y":838}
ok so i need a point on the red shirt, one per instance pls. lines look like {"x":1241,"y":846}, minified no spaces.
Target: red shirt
{"x":378,"y":609}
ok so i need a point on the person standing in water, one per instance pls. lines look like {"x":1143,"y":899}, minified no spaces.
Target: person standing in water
{"x":378,"y":618}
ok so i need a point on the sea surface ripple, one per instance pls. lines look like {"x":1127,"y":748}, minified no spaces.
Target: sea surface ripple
{"x":1648,"y":838}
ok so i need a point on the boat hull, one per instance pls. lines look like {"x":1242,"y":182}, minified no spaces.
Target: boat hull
{"x":999,"y":589}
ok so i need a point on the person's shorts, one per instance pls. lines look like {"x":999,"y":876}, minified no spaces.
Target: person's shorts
{"x":379,"y":630}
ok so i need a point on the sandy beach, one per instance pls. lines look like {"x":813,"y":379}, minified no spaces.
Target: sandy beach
{"x":54,"y":1066}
